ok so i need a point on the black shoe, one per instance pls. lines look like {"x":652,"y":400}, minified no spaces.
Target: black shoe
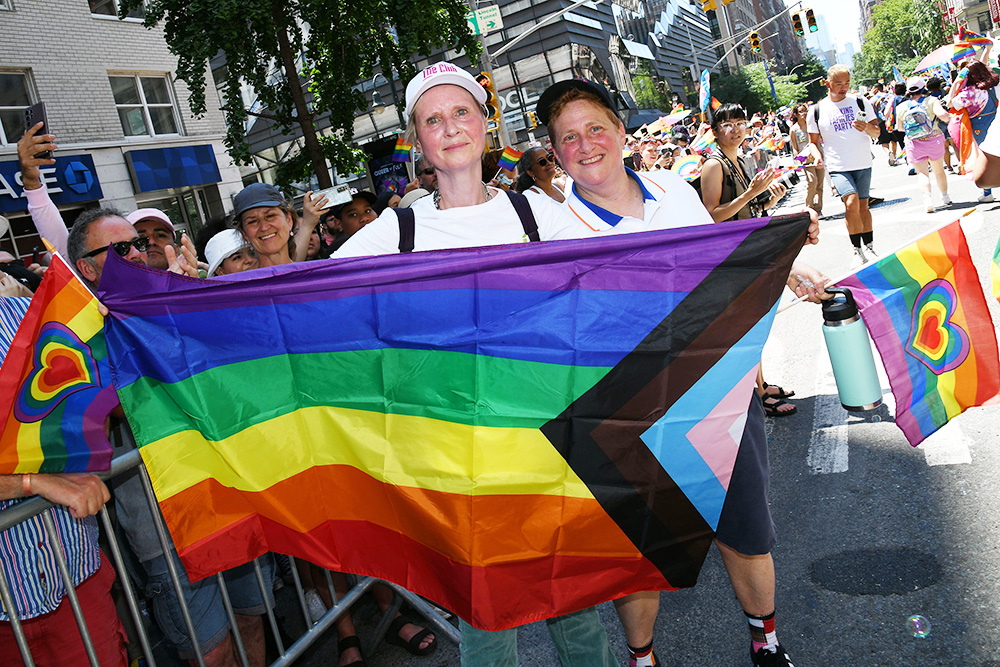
{"x":874,"y":201}
{"x":764,"y":658}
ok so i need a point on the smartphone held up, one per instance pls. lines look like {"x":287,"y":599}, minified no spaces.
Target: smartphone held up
{"x":32,"y":115}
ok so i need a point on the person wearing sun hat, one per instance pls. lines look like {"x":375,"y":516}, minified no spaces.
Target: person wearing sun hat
{"x":447,"y":124}
{"x":228,"y":252}
{"x":918,"y":118}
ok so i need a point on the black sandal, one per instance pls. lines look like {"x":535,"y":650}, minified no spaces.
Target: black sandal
{"x":348,"y":643}
{"x":771,"y":405}
{"x":781,"y":391}
{"x":412,"y":646}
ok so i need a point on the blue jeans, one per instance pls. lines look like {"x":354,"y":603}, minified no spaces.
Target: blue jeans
{"x":205,"y":601}
{"x":849,"y":182}
{"x":579,"y":638}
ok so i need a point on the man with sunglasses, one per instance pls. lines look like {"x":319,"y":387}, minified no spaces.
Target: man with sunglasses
{"x":426,"y":178}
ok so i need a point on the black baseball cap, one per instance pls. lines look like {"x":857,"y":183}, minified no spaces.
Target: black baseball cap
{"x":254,"y":196}
{"x":555,"y":91}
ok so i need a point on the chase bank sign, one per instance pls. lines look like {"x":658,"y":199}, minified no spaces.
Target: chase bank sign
{"x":71,"y":179}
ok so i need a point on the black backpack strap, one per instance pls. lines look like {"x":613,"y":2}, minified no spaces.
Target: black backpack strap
{"x":861,"y":105}
{"x":816,"y":113}
{"x":407,"y":224}
{"x":523,"y":208}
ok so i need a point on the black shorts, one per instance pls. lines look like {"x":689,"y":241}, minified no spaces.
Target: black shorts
{"x":745,"y":524}
{"x":884,"y":135}
{"x":899,"y":138}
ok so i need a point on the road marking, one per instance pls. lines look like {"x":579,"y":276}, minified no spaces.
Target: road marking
{"x":828,"y":445}
{"x":949,"y":446}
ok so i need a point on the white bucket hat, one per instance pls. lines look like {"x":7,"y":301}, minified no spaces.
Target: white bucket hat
{"x":221,"y":246}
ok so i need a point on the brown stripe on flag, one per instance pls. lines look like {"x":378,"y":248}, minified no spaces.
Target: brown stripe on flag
{"x":599,"y":434}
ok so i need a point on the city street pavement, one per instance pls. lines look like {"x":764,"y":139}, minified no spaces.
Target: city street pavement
{"x":871,"y":531}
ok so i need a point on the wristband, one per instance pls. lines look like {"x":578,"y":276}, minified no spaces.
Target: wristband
{"x":26,"y":485}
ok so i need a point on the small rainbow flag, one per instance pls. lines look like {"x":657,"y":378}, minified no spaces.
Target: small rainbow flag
{"x":715,"y":104}
{"x":927,"y":314}
{"x":975,"y":38}
{"x":55,"y":383}
{"x":509,"y":158}
{"x":704,"y":142}
{"x":401,"y":153}
{"x":774,"y":143}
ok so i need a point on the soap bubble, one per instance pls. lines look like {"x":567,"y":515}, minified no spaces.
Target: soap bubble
{"x":918,"y":626}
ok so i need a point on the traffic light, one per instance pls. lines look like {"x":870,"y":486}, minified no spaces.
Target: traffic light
{"x":492,"y":103}
{"x":797,"y":24}
{"x":708,"y":5}
{"x":755,"y":42}
{"x":811,"y":20}
{"x":534,"y":120}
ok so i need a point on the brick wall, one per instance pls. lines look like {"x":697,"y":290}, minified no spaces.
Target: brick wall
{"x":69,"y":53}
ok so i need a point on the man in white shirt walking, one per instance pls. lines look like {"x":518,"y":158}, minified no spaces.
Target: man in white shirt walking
{"x":840,"y":128}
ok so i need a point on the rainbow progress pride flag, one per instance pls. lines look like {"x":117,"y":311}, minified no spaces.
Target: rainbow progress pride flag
{"x":508,"y":160}
{"x":927,"y":315}
{"x":55,"y":383}
{"x":515,"y":432}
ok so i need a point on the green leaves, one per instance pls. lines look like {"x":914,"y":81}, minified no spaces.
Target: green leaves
{"x":333,"y":45}
{"x":749,"y":87}
{"x":902,"y":32}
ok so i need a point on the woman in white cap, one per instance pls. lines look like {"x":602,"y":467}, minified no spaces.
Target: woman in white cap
{"x":447,"y":124}
{"x":925,"y":143}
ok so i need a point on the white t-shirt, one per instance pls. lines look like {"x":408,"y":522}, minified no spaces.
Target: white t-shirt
{"x":844,"y":148}
{"x":494,"y":222}
{"x":674,"y":203}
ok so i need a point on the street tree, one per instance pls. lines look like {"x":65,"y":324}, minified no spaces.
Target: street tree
{"x":303,"y":59}
{"x":811,"y":73}
{"x":902,"y":32}
{"x":749,"y":87}
{"x":650,"y":92}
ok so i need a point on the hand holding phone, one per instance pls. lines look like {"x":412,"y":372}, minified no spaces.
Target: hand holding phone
{"x":32,"y":115}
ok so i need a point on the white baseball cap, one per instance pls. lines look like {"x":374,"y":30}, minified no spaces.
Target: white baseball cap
{"x":222,"y":246}
{"x":439,"y":74}
{"x":156,"y":214}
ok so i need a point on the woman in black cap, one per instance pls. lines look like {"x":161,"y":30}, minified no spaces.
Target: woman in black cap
{"x":588,"y":138}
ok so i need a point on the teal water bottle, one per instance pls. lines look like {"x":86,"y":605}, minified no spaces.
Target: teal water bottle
{"x":850,"y":352}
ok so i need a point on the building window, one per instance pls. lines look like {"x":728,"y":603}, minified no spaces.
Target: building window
{"x":14,"y":99}
{"x":145,"y":105}
{"x":110,"y":8}
{"x":5,"y":4}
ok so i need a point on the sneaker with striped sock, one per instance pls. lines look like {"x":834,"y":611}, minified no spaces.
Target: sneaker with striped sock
{"x":777,"y":658}
{"x":642,"y":657}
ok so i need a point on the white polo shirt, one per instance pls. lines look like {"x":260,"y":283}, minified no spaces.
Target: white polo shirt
{"x":668,"y":201}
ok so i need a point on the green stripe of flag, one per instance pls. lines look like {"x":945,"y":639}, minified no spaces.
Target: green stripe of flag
{"x":450,"y":386}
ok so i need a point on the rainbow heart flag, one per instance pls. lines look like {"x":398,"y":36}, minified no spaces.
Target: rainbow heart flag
{"x":927,"y":315}
{"x":508,"y":160}
{"x":401,"y":153}
{"x":515,"y":432}
{"x":55,"y":383}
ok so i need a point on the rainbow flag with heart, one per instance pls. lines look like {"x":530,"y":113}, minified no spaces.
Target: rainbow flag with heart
{"x":55,"y":383}
{"x":515,"y":432}
{"x":927,"y":314}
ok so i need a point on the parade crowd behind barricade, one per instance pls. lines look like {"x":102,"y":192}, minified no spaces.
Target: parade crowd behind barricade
{"x":687,"y":169}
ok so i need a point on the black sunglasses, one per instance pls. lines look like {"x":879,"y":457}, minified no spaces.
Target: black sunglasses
{"x":429,"y":171}
{"x":544,"y":161}
{"x":123,"y":248}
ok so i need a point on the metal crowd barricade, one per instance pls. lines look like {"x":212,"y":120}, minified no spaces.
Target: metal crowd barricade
{"x":314,"y":631}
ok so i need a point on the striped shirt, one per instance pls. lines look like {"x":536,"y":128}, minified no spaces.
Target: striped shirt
{"x":27,"y":559}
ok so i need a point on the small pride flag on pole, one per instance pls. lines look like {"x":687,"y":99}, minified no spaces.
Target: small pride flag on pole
{"x":401,"y":153}
{"x":509,"y":158}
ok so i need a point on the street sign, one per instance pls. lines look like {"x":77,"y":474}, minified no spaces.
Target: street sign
{"x":484,"y":20}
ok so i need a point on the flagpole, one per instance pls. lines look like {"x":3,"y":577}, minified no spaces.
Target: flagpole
{"x":850,"y":273}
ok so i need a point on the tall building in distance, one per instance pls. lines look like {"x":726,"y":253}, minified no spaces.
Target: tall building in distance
{"x":779,"y":43}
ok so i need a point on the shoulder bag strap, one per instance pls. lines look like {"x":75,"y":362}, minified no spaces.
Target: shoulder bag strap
{"x":527,"y":217}
{"x":407,"y":225}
